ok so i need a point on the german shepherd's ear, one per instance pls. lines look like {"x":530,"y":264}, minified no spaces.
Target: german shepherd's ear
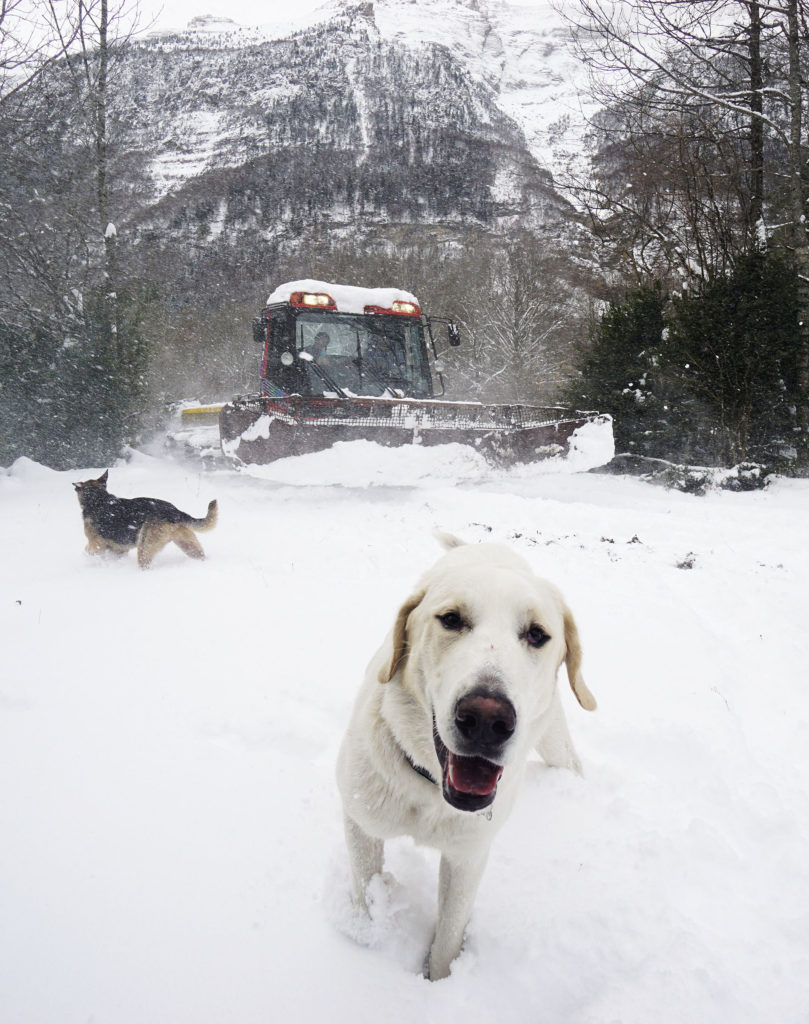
{"x":573,"y":657}
{"x":400,"y":641}
{"x":103,"y":479}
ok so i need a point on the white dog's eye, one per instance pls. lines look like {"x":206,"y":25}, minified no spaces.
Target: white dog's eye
{"x":453,"y":621}
{"x":536,"y":636}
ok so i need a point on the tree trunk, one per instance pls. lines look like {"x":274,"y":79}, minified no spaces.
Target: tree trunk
{"x":799,"y":239}
{"x":756,"y":122}
{"x":108,"y":229}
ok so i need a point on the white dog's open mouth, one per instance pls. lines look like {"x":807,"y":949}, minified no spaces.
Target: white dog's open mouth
{"x":469,"y":783}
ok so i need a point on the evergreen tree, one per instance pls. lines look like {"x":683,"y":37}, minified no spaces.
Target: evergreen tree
{"x":618,"y":370}
{"x":735,"y":349}
{"x":67,"y":400}
{"x":711,"y":377}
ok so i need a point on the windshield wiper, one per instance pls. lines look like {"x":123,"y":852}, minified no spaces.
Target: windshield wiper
{"x":392,"y":383}
{"x":327,"y":379}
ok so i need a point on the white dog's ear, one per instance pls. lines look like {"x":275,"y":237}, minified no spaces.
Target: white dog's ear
{"x":400,"y":641}
{"x":573,"y":663}
{"x":448,"y":541}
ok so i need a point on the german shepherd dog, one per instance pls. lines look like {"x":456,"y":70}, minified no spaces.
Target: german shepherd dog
{"x":116,"y":525}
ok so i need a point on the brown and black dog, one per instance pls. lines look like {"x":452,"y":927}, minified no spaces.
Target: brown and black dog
{"x":116,"y":525}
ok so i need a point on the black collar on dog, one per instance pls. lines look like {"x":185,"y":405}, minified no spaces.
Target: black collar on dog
{"x":421,"y":771}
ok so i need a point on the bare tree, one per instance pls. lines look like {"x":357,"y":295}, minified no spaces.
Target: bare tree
{"x":665,"y":190}
{"x":699,"y":151}
{"x":711,"y":69}
{"x":78,"y":358}
{"x":42,"y":212}
{"x":521,"y":320}
{"x":28,"y":45}
{"x":91,"y":33}
{"x":706,"y":111}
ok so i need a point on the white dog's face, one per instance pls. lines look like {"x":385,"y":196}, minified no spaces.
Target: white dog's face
{"x":479,"y":646}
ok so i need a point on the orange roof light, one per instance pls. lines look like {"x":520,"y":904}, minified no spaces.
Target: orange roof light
{"x":318,"y":300}
{"x":406,"y":308}
{"x":398,"y":306}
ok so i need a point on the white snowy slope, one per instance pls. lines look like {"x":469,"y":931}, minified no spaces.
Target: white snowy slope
{"x":171,"y":842}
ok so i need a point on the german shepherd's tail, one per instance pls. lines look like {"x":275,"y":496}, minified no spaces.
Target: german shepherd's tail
{"x":209,"y":522}
{"x":155,"y":534}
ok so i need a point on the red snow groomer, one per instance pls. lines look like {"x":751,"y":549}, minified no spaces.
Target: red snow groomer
{"x":342,"y":363}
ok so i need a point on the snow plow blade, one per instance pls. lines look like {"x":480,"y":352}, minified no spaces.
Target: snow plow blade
{"x":258,"y":430}
{"x":200,"y":415}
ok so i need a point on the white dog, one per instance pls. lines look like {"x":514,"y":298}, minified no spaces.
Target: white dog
{"x":453,"y":702}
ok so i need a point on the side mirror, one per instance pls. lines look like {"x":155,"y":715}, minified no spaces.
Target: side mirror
{"x":259,"y":329}
{"x":453,"y":334}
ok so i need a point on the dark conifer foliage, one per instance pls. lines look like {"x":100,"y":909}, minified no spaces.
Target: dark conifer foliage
{"x":709,"y":377}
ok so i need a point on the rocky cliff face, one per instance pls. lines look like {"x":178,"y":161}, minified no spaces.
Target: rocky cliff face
{"x":363,"y":124}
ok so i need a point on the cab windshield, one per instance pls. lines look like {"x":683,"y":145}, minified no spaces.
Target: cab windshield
{"x":365,"y":354}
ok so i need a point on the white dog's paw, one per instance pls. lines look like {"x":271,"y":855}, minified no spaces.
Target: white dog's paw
{"x":435,"y":969}
{"x":384,"y":897}
{"x":347,"y":912}
{"x":381,"y":919}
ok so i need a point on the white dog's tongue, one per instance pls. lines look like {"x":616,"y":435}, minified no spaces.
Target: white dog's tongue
{"x":473,"y":775}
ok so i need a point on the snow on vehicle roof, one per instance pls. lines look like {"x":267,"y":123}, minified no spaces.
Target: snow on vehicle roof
{"x":349,"y":298}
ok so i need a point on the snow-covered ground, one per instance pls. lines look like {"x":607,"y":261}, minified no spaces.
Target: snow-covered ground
{"x":170,"y":837}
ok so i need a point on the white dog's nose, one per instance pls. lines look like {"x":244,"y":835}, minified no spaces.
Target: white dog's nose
{"x":485,"y":722}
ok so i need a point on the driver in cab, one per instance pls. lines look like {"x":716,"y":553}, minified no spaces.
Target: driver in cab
{"x":318,"y":349}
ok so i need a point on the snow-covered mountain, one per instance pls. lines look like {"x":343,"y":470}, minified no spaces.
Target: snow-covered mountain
{"x":383,"y":113}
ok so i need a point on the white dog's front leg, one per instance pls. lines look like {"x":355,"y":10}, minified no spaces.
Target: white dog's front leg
{"x":365,"y":855}
{"x":458,"y":882}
